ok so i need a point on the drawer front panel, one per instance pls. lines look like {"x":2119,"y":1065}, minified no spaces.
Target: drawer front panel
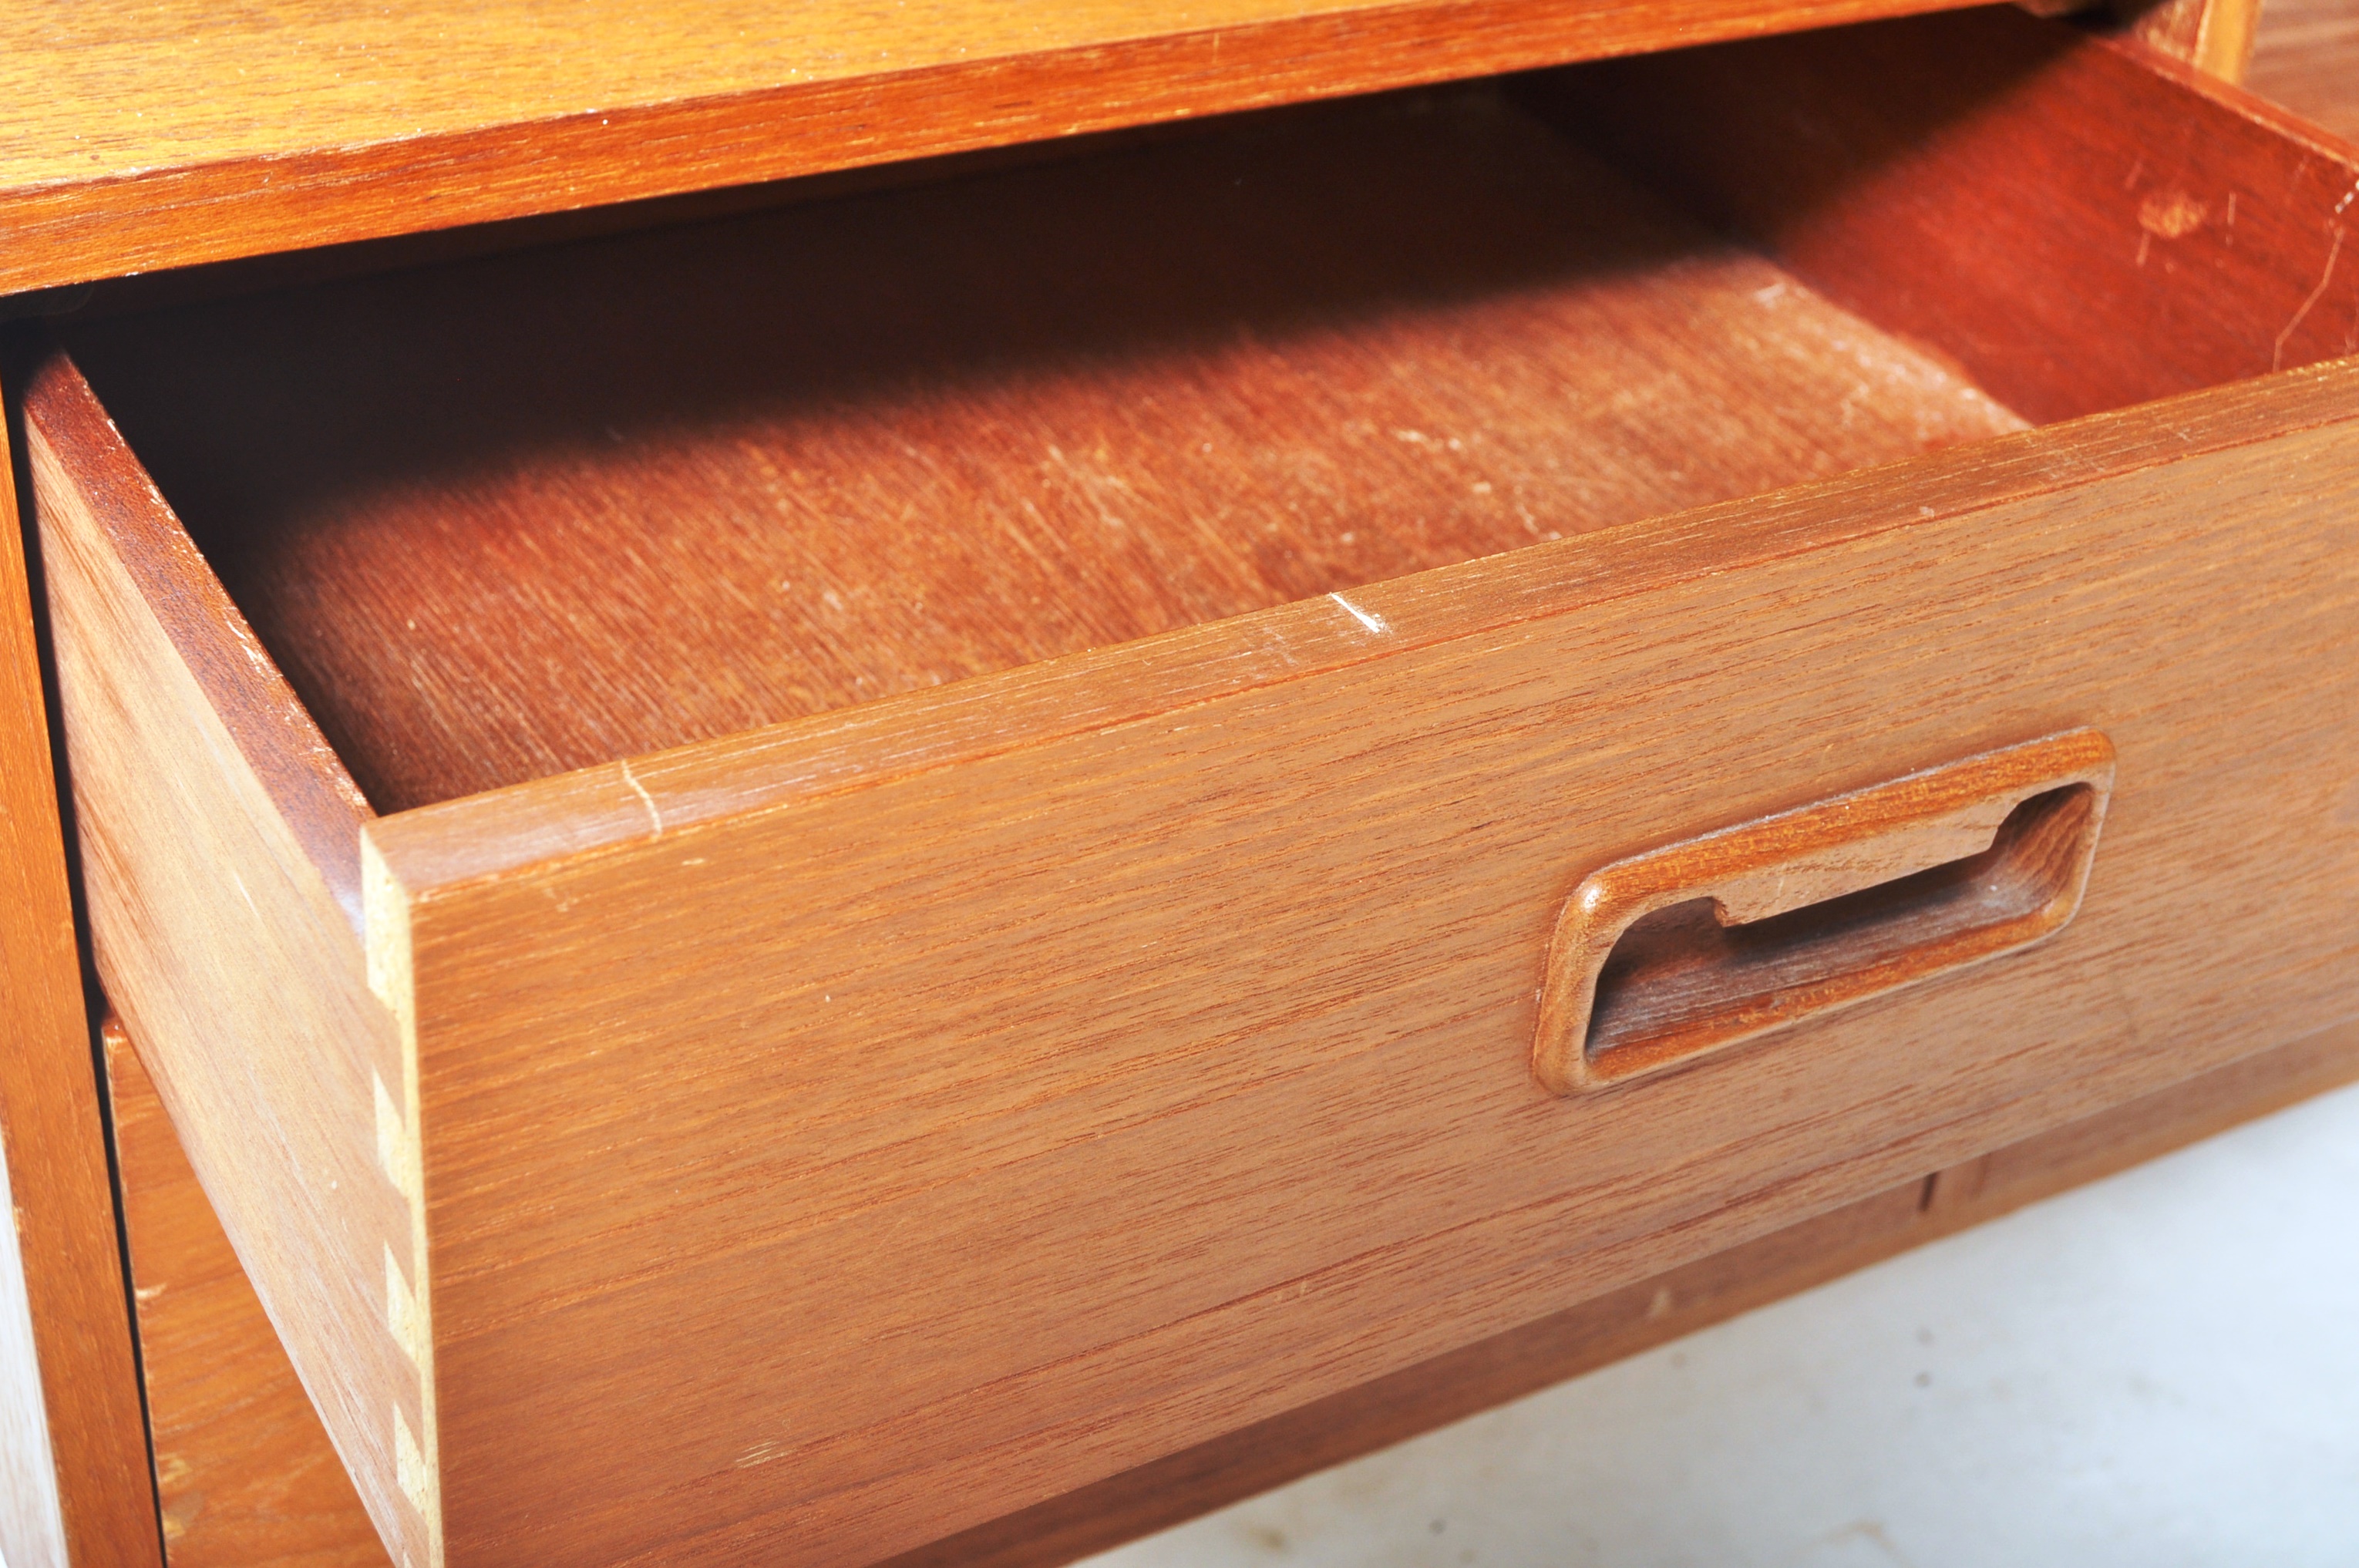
{"x":1060,"y":1081}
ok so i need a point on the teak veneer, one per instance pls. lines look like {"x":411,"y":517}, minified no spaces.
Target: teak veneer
{"x":829,"y":456}
{"x":247,"y":1478}
{"x":320,"y":122}
{"x":1527,"y":1359}
{"x":244,"y":1474}
{"x":897,"y":1104}
{"x":73,"y":1483}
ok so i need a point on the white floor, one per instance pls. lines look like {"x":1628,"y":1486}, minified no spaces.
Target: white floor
{"x":2159,"y":1371}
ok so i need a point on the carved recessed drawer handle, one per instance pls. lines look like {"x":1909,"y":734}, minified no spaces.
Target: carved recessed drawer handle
{"x":1669,"y":956}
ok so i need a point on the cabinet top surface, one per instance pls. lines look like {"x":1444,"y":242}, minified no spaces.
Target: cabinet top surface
{"x":108,"y":89}
{"x":140,"y":136}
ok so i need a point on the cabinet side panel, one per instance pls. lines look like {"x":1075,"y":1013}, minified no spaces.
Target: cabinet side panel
{"x":73,"y":1443}
{"x":221,"y":939}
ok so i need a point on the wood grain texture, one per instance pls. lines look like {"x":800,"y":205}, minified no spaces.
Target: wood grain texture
{"x":2084,"y":224}
{"x":1667,"y":955}
{"x":909,"y":1112}
{"x":252,"y":1480}
{"x":73,"y":1449}
{"x":244,"y":1470}
{"x":2065,"y":1157}
{"x":2307,"y":58}
{"x":841,"y":1016}
{"x":1527,"y":1359}
{"x":203,"y":794}
{"x":2131,"y":440}
{"x":853,"y":449}
{"x":319,"y":123}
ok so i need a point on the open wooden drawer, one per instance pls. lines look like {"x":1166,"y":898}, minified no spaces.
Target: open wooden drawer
{"x":977,"y":778}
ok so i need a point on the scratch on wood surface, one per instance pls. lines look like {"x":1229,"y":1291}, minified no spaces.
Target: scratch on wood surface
{"x":645,"y":799}
{"x":2333,"y":254}
{"x":1367,"y":618}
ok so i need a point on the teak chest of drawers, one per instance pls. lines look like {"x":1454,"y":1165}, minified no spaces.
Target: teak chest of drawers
{"x":807,"y":874}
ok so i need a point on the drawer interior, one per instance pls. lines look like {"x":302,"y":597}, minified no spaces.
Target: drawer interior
{"x":508,"y":516}
{"x":514,"y":515}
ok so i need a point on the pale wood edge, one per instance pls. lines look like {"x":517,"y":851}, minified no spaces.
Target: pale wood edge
{"x":74,"y":1482}
{"x":435,"y":850}
{"x":32,"y":1505}
{"x":1653,"y":1312}
{"x":2215,"y":37}
{"x":417,"y":1452}
{"x":177,"y":214}
{"x":206,"y":808}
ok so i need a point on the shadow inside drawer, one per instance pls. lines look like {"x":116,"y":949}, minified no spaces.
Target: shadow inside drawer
{"x":512,"y":516}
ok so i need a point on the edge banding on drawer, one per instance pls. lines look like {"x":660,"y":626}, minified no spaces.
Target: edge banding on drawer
{"x":741,"y":1095}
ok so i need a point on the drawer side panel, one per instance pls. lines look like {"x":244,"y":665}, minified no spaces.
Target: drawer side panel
{"x":220,"y":938}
